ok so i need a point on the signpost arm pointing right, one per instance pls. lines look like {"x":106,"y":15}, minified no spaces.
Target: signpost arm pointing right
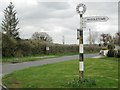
{"x":83,"y":21}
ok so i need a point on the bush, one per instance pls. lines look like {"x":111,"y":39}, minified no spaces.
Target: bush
{"x":27,"y":47}
{"x":111,"y":53}
{"x":38,"y":48}
{"x":104,"y":48}
{"x":78,"y":84}
{"x":91,"y":49}
{"x":18,"y":53}
{"x":8,"y":46}
{"x":118,"y":54}
{"x":63,"y":49}
{"x":111,"y":46}
{"x":23,"y":48}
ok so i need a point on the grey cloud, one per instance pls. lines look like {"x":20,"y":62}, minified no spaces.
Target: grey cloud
{"x":42,"y":14}
{"x":55,"y":5}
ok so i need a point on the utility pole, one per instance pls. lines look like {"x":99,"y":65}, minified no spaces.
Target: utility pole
{"x":63,"y":39}
{"x":90,"y":38}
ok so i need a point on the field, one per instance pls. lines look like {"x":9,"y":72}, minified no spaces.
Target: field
{"x":103,"y":71}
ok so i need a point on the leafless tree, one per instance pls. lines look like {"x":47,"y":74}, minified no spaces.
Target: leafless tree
{"x":42,"y":36}
{"x":106,"y":39}
{"x":117,"y":39}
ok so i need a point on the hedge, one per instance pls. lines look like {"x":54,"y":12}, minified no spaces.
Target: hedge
{"x":29,"y":47}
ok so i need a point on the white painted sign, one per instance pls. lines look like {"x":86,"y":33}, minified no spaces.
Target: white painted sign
{"x":47,"y":48}
{"x":81,"y":48}
{"x":81,"y":66}
{"x":95,"y":19}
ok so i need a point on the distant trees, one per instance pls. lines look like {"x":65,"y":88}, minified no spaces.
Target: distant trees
{"x":106,"y":39}
{"x":117,"y":39}
{"x":42,"y":36}
{"x":109,"y":39}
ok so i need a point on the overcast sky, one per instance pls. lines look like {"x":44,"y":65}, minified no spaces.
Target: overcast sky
{"x":60,"y":19}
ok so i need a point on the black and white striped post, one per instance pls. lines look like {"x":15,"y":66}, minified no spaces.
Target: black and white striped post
{"x":81,"y":8}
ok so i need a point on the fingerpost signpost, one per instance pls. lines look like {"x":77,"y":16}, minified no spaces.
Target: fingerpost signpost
{"x":81,"y":9}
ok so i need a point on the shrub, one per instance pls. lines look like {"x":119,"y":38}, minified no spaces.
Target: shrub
{"x":8,"y":46}
{"x":27,"y":47}
{"x":78,"y":84}
{"x":111,"y":46}
{"x":118,"y":54}
{"x":18,"y":53}
{"x":111,"y":53}
{"x":89,"y":49}
{"x":63,"y":49}
{"x":37,"y":47}
{"x":104,"y":48}
{"x":24,"y":48}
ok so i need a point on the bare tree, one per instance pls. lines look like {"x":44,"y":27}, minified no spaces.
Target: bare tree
{"x":106,"y":39}
{"x":42,"y":36}
{"x":117,"y":39}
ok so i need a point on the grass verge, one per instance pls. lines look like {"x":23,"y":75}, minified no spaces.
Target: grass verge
{"x":26,"y":59}
{"x":34,"y":58}
{"x":31,"y":58}
{"x":104,"y":71}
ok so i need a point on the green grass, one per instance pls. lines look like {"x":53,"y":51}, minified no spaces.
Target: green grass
{"x":104,"y":71}
{"x":27,"y":58}
{"x":34,"y":58}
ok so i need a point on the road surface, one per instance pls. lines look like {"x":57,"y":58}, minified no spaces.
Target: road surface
{"x":8,"y":68}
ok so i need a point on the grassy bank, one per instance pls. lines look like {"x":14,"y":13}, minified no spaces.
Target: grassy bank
{"x":35,"y":57}
{"x":31,"y":58}
{"x":104,"y":71}
{"x":26,"y":59}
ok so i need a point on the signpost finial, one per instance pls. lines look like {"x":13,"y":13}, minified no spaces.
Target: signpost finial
{"x":81,"y":8}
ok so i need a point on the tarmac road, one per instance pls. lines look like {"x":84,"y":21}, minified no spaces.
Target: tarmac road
{"x":8,"y":68}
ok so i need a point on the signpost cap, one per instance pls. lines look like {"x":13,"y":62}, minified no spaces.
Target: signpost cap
{"x":81,"y":8}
